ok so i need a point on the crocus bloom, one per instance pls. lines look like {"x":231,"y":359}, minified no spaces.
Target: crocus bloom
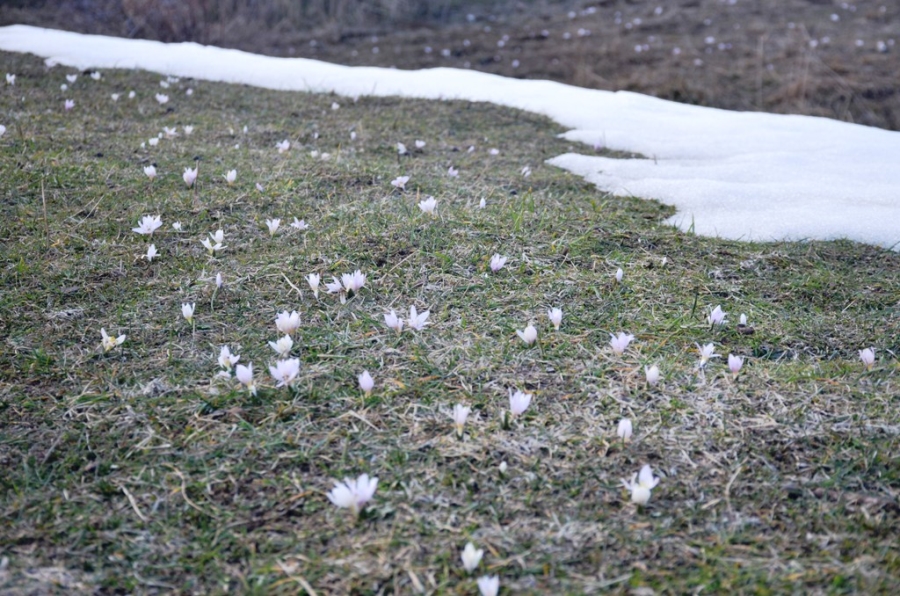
{"x":353,"y":494}
{"x":300,"y":224}
{"x":393,"y":321}
{"x":419,"y":144}
{"x":868,"y":357}
{"x":366,"y":382}
{"x":716,"y":317}
{"x":151,"y":253}
{"x":95,"y":75}
{"x":482,"y":203}
{"x":282,"y":346}
{"x":115,"y":96}
{"x":72,"y":78}
{"x":313,"y":280}
{"x":460,"y":414}
{"x":108,"y":342}
{"x":189,"y":176}
{"x":227,"y":359}
{"x":170,"y":133}
{"x":625,"y":429}
{"x":162,"y":99}
{"x":187,"y":311}
{"x":150,"y":171}
{"x":188,"y":130}
{"x":489,"y":585}
{"x":69,"y":104}
{"x":401,"y":149}
{"x":10,"y":79}
{"x":528,"y":335}
{"x":652,"y":374}
{"x":640,"y":485}
{"x":244,"y":374}
{"x":417,"y":321}
{"x":218,"y":280}
{"x":148,"y":224}
{"x":526,"y":171}
{"x":428,"y":205}
{"x":734,"y":364}
{"x":400,"y":182}
{"x":619,"y":342}
{"x":273,"y":224}
{"x":231,"y":176}
{"x":353,"y":281}
{"x":218,"y":237}
{"x":494,"y":151}
{"x":497,"y":263}
{"x":2,"y":130}
{"x":706,"y":352}
{"x":131,"y":94}
{"x":176,"y":226}
{"x":518,"y":402}
{"x":285,"y":371}
{"x":212,"y":248}
{"x":283,"y":146}
{"x":153,"y":142}
{"x":743,"y":320}
{"x":286,"y":322}
{"x":555,"y":316}
{"x":334,"y":286}
{"x":452,"y":172}
{"x":619,"y":275}
{"x":471,"y":557}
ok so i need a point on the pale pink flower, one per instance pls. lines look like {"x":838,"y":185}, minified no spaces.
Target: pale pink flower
{"x":716,"y":317}
{"x":231,"y":176}
{"x":625,"y":429}
{"x":471,"y":557}
{"x":286,"y":322}
{"x":151,"y":253}
{"x":497,"y":263}
{"x":652,"y":374}
{"x":353,"y":494}
{"x":283,"y":346}
{"x":417,"y":321}
{"x":619,"y":342}
{"x":300,"y":224}
{"x":283,"y":146}
{"x":162,"y":99}
{"x":489,"y":585}
{"x":460,"y":414}
{"x":190,"y":175}
{"x":867,"y":356}
{"x":640,"y":485}
{"x":400,"y":182}
{"x":707,"y":352}
{"x":518,"y":402}
{"x":313,"y":280}
{"x":555,"y":315}
{"x":393,"y":321}
{"x":734,"y":364}
{"x":285,"y":371}
{"x":528,"y":335}
{"x":428,"y":205}
{"x":244,"y":374}
{"x":150,"y":171}
{"x":366,"y":382}
{"x":148,"y":225}
{"x":69,"y":104}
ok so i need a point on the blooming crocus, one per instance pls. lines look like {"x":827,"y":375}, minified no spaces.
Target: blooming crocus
{"x":734,"y":364}
{"x":131,"y":94}
{"x":218,"y":280}
{"x":151,"y":253}
{"x":176,"y":226}
{"x":189,"y":176}
{"x":417,"y":321}
{"x":393,"y":321}
{"x":353,"y":494}
{"x":742,"y":322}
{"x":494,"y":151}
{"x":283,"y":346}
{"x":114,"y":96}
{"x":528,"y":335}
{"x":2,"y":130}
{"x":335,"y":105}
{"x":188,"y":130}
{"x":526,"y":171}
{"x":218,"y":237}
{"x":497,"y":263}
{"x":162,"y":98}
{"x":452,"y":172}
{"x":353,"y":281}
{"x":555,"y":316}
{"x":273,"y":224}
{"x":366,"y":382}
{"x":716,"y":317}
{"x":69,"y":104}
{"x":231,"y":176}
{"x":287,"y":322}
{"x":652,"y":374}
{"x":72,"y":78}
{"x":150,"y":171}
{"x":471,"y":557}
{"x":170,"y":133}
{"x":400,"y":182}
{"x":226,"y":359}
{"x":96,"y":75}
{"x":460,"y":414}
{"x":187,"y":311}
{"x":625,"y":429}
{"x":706,"y":352}
{"x":518,"y":402}
{"x":334,"y":286}
{"x":482,"y":203}
{"x":283,"y":146}
{"x":619,"y":342}
{"x":10,"y":79}
{"x":212,"y":248}
{"x":244,"y":374}
{"x":428,"y":205}
{"x":419,"y":144}
{"x":148,"y":224}
{"x":619,"y":275}
{"x":313,"y":280}
{"x":868,"y":357}
{"x":640,"y":485}
{"x":285,"y":371}
{"x":153,"y":142}
{"x":108,"y":342}
{"x":300,"y":224}
{"x":63,"y":87}
{"x":164,"y":84}
{"x":401,"y":149}
{"x":489,"y":585}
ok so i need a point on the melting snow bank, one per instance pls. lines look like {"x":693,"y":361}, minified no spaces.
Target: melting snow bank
{"x":740,"y":175}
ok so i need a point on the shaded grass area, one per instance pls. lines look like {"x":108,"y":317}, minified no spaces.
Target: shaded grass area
{"x":140,"y":471}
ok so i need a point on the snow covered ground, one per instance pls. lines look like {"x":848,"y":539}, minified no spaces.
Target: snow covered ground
{"x":739,"y":175}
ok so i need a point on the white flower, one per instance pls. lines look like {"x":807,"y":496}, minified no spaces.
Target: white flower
{"x":162,"y":99}
{"x":489,"y":585}
{"x":218,"y":237}
{"x":212,"y":248}
{"x":625,"y":429}
{"x":555,"y":316}
{"x":188,"y":130}
{"x":528,"y":335}
{"x":218,"y":280}
{"x":189,"y":176}
{"x":273,"y":224}
{"x":471,"y":557}
{"x":164,"y":84}
{"x":260,"y":187}
{"x":151,"y":253}
{"x":69,"y":104}
{"x":300,"y":224}
{"x":419,"y":144}
{"x":867,"y":357}
{"x":244,"y":374}
{"x":189,"y":91}
{"x":734,"y":364}
{"x":95,"y":75}
{"x":393,"y":321}
{"x":518,"y":402}
{"x":526,"y":171}
{"x":131,"y":94}
{"x":10,"y":79}
{"x":743,"y":320}
{"x":148,"y":224}
{"x":366,"y":382}
{"x":417,"y":321}
{"x":231,"y":176}
{"x":187,"y":311}
{"x":652,"y":374}
{"x":282,"y":346}
{"x":114,"y":96}
{"x":72,"y":78}
{"x":170,"y":133}
{"x":2,"y":130}
{"x":176,"y":226}
{"x":335,"y":105}
{"x":640,"y":485}
{"x":619,"y":342}
{"x":313,"y":280}
{"x":287,"y":322}
{"x":716,"y":317}
{"x":460,"y":414}
{"x":108,"y":342}
{"x":285,"y":371}
{"x":283,"y":146}
{"x":497,"y":263}
{"x":482,"y":203}
{"x":400,"y":182}
{"x":494,"y":151}
{"x":619,"y":275}
{"x":428,"y":205}
{"x":153,"y":142}
{"x":63,"y":87}
{"x":401,"y":149}
{"x":353,"y":494}
{"x":226,"y":359}
{"x":353,"y":281}
{"x":452,"y":172}
{"x":706,"y":352}
{"x":150,"y":171}
{"x":335,"y":286}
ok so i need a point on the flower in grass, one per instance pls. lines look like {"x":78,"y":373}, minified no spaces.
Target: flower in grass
{"x":742,"y":322}
{"x":187,"y":311}
{"x":151,"y":253}
{"x":518,"y":402}
{"x":285,"y":371}
{"x":526,"y":171}
{"x":131,"y":94}
{"x":10,"y":79}
{"x":218,"y":237}
{"x":401,"y":149}
{"x":283,"y":346}
{"x":334,"y":286}
{"x":619,"y":342}
{"x":734,"y":364}
{"x":72,"y":78}
{"x":428,"y":205}
{"x":188,"y":130}
{"x":706,"y":352}
{"x":419,"y":144}
{"x":497,"y":263}
{"x":640,"y":485}
{"x":716,"y":317}
{"x":482,"y":203}
{"x":652,"y":374}
{"x":867,"y":356}
{"x":150,"y":171}
{"x":494,"y":151}
{"x":625,"y":429}
{"x":287,"y":322}
{"x":417,"y":321}
{"x":148,"y":225}
{"x":69,"y":104}
{"x":471,"y":557}
{"x":366,"y":382}
{"x":153,"y":142}
{"x":108,"y":342}
{"x":190,"y":175}
{"x":226,"y":359}
{"x":96,"y":75}
{"x":231,"y":176}
{"x":114,"y":96}
{"x":313,"y":280}
{"x":283,"y":146}
{"x":176,"y":226}
{"x":300,"y":224}
{"x":244,"y":374}
{"x":489,"y":585}
{"x":2,"y":130}
{"x":212,"y":248}
{"x":218,"y":280}
{"x":400,"y":182}
{"x":555,"y":316}
{"x":170,"y":133}
{"x":353,"y":494}
{"x":452,"y":172}
{"x":273,"y":224}
{"x":64,"y":87}
{"x":619,"y":275}
{"x":460,"y":414}
{"x":393,"y":321}
{"x":162,"y":98}
{"x":528,"y":335}
{"x":353,"y":281}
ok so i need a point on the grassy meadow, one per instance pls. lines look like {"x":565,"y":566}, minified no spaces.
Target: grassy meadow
{"x":144,"y":470}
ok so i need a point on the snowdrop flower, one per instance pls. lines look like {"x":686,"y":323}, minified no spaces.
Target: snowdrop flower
{"x":115,"y":96}
{"x":285,"y":371}
{"x":417,"y":321}
{"x":489,"y":585}
{"x":518,"y":402}
{"x":162,"y":99}
{"x":716,"y":317}
{"x":170,"y":133}
{"x":188,"y":130}
{"x":108,"y":342}
{"x":226,"y":359}
{"x":218,"y":280}
{"x":353,"y":494}
{"x":150,"y":171}
{"x":148,"y":224}
{"x":652,"y":374}
{"x":460,"y":414}
{"x":555,"y":316}
{"x":428,"y":205}
{"x":619,"y":342}
{"x":366,"y":382}
{"x":471,"y":557}
{"x":151,"y":253}
{"x":734,"y":364}
{"x":212,"y":248}
{"x":528,"y":335}
{"x":153,"y":142}
{"x":69,"y":104}
{"x":401,"y":149}
{"x":482,"y":203}
{"x":176,"y":226}
{"x":619,"y":275}
{"x":187,"y":311}
{"x":706,"y":352}
{"x":10,"y":79}
{"x":640,"y":485}
{"x":283,"y":146}
{"x":393,"y":321}
{"x":190,"y":176}
{"x":300,"y":224}
{"x":273,"y":224}
{"x":452,"y":172}
{"x":231,"y":176}
{"x":497,"y":263}
{"x":244,"y":374}
{"x":625,"y":429}
{"x":335,"y":286}
{"x":400,"y":182}
{"x":283,"y":346}
{"x":353,"y":281}
{"x":287,"y":323}
{"x":867,"y":357}
{"x":72,"y":78}
{"x":313,"y":280}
